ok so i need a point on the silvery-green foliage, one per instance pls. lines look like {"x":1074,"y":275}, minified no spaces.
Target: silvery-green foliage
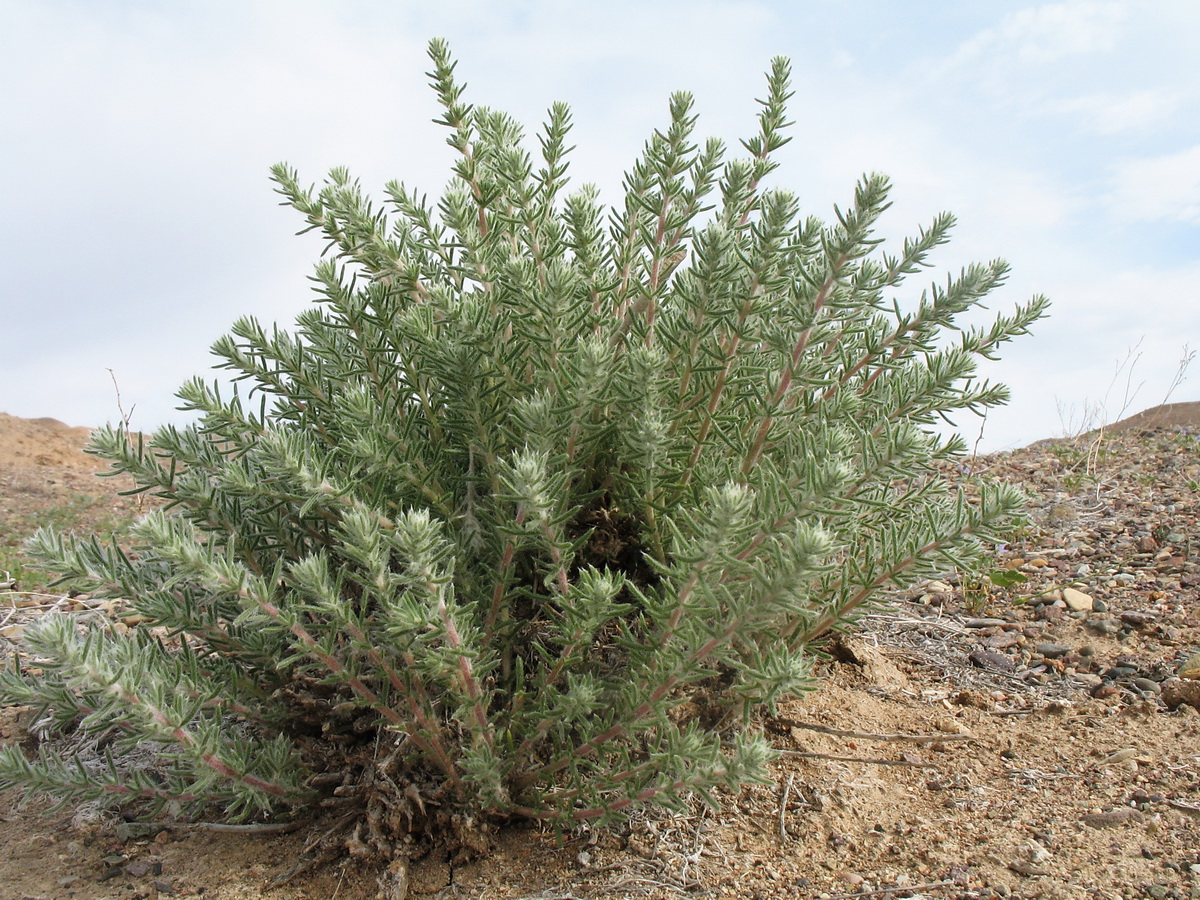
{"x":533,"y":496}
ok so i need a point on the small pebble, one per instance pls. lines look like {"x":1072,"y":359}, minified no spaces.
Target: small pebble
{"x":986,"y":659}
{"x":1113,"y":818}
{"x":1145,"y":684}
{"x":1026,"y":868}
{"x":1053,"y":651}
{"x":1191,"y":668}
{"x":1120,"y":756}
{"x":1077,"y":600}
{"x":1178,"y":692}
{"x":1003,"y":639}
{"x":1137,"y":618}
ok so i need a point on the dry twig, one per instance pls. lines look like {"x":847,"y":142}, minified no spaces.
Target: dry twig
{"x":868,"y":736}
{"x":897,"y":889}
{"x":801,"y":754}
{"x":260,"y":828}
{"x":783,"y":802}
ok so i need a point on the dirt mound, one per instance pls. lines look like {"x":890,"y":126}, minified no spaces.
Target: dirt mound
{"x":31,"y":443}
{"x":46,"y":478}
{"x":1165,"y":415}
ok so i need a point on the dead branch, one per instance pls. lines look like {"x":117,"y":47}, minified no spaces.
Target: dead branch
{"x":867,"y":736}
{"x":897,"y":889}
{"x":801,"y":754}
{"x":783,"y":802}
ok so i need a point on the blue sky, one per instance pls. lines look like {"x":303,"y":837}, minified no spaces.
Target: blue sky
{"x":135,"y":137}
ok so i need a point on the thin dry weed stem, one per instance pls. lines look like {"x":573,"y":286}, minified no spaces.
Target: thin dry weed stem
{"x":832,"y":757}
{"x":125,"y":416}
{"x":906,"y":889}
{"x":979,"y":437}
{"x":1096,"y":418}
{"x":870,"y":736}
{"x":783,"y":807}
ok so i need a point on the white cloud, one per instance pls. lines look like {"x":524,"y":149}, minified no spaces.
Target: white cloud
{"x":1042,"y":34}
{"x":1110,"y":114}
{"x":1053,"y":31}
{"x":1157,"y":189}
{"x":1004,"y":208}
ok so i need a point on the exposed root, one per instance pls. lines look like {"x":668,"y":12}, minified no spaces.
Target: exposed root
{"x":385,"y":813}
{"x":393,"y":884}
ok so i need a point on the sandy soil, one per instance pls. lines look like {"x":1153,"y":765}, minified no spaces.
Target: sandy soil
{"x":995,"y":742}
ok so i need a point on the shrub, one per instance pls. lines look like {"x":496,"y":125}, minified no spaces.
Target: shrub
{"x":533,"y":507}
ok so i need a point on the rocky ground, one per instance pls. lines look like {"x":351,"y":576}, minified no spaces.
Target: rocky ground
{"x":1035,"y":733}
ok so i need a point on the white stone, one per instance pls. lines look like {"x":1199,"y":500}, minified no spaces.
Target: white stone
{"x":1077,"y":601}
